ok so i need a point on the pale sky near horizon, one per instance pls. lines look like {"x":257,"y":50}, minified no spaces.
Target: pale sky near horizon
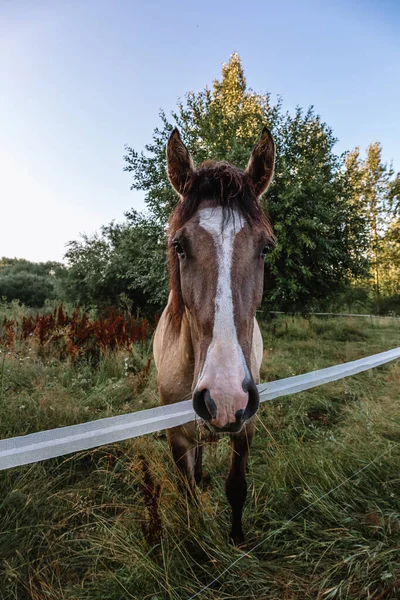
{"x":80,"y":79}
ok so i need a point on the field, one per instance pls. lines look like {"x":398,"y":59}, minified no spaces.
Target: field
{"x":110,"y":523}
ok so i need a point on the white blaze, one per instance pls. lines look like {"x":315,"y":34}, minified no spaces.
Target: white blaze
{"x":225,"y":366}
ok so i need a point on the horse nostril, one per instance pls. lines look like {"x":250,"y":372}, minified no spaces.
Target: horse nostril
{"x":254,"y":400}
{"x":204,"y":405}
{"x":239,"y":415}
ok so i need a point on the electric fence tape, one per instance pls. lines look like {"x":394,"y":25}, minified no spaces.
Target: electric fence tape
{"x":39,"y":446}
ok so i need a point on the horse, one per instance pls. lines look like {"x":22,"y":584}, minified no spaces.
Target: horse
{"x":207,"y":343}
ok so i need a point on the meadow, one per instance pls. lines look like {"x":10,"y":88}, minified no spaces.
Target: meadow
{"x":111,"y":524}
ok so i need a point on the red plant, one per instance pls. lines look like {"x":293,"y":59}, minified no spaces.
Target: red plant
{"x":76,"y":335}
{"x":7,"y":338}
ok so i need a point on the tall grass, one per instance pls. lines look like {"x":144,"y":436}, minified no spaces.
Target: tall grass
{"x":111,"y":523}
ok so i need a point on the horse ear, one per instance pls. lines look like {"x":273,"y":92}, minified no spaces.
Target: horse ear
{"x":262,"y":161}
{"x":179,"y":161}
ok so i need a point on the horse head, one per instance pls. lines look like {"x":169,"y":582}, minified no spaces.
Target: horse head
{"x":218,"y":239}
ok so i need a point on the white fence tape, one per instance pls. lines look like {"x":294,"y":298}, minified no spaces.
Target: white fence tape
{"x":325,"y":314}
{"x":32,"y":448}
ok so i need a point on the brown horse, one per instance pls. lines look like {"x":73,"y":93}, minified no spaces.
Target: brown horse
{"x":208,"y":343}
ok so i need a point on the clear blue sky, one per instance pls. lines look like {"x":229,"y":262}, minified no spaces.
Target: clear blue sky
{"x":82,"y":78}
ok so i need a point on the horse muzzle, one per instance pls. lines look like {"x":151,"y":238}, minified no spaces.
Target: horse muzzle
{"x":219,"y":414}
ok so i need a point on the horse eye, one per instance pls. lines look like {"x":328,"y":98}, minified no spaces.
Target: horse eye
{"x":178,"y":248}
{"x":267,"y":248}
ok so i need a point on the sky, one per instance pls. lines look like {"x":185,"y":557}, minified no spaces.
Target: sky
{"x":80,"y":79}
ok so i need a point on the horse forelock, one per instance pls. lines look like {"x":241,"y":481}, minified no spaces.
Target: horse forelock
{"x":225,"y":186}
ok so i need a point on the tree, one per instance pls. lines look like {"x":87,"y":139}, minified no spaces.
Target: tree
{"x":394,"y":195}
{"x":87,"y":260}
{"x":124,"y":259}
{"x":221,"y":123}
{"x":390,"y":261}
{"x":321,"y":241}
{"x":29,"y":282}
{"x":321,"y":234}
{"x":138,"y":260}
{"x":376,"y":193}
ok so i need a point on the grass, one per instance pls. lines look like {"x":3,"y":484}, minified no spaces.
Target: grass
{"x":111,"y":524}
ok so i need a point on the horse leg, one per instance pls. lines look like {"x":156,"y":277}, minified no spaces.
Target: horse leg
{"x":198,"y":464}
{"x":236,"y":485}
{"x":183,"y":447}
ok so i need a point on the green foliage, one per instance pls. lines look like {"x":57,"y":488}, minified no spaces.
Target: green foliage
{"x":321,"y":235}
{"x":87,"y":260}
{"x":138,"y":259}
{"x":390,"y":267}
{"x":376,"y":192}
{"x":395,"y":195}
{"x":330,"y":213}
{"x":320,"y":231}
{"x":30,"y":283}
{"x":124,"y":261}
{"x":222,"y":123}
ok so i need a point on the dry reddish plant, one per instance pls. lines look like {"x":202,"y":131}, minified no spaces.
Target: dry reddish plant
{"x":75,"y":335}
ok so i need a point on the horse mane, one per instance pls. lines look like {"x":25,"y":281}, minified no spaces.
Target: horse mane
{"x":228,"y":187}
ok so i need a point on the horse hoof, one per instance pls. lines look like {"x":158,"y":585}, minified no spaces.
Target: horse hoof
{"x":237,"y":538}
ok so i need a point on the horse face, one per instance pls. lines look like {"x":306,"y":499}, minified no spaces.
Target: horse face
{"x":221,"y":266}
{"x":221,"y":273}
